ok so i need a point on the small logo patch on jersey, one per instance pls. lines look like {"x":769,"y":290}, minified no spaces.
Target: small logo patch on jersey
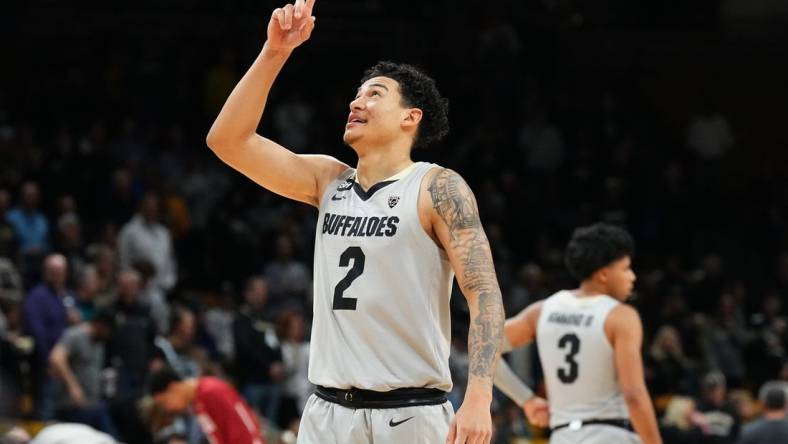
{"x":393,"y":423}
{"x":393,"y":200}
{"x":346,"y":185}
{"x":334,"y":197}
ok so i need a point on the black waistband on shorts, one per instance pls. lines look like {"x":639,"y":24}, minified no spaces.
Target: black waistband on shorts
{"x":368,"y":399}
{"x":578,"y":424}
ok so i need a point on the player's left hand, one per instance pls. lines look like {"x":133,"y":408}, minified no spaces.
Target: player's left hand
{"x":472,"y":424}
{"x":537,"y":410}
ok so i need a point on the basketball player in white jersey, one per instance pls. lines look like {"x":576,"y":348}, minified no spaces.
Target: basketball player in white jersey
{"x":589,"y":344}
{"x":391,"y":236}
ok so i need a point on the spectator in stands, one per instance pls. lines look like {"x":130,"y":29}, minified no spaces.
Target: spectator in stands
{"x":668,"y":369}
{"x":131,"y":348}
{"x":674,"y":310}
{"x":152,"y":296}
{"x":723,"y":419}
{"x":289,"y":280}
{"x":10,"y":280}
{"x":77,"y":360}
{"x":218,"y":323}
{"x":32,"y":231}
{"x":8,"y":240}
{"x":724,"y":339}
{"x":143,"y":238}
{"x":14,"y":349}
{"x":69,"y":241}
{"x":45,"y":317}
{"x":223,"y":416}
{"x":773,"y":426}
{"x":682,"y":423}
{"x":747,"y":407}
{"x":177,"y":350}
{"x":103,"y":258}
{"x":205,"y":340}
{"x":291,"y":330}
{"x":87,"y":289}
{"x":258,"y":357}
{"x":771,"y":328}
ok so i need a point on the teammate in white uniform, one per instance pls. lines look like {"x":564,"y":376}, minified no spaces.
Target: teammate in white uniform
{"x":391,"y":235}
{"x":589,"y":345}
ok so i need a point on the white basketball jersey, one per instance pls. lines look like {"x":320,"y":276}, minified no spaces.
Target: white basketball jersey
{"x":577,"y":359}
{"x":382,"y":287}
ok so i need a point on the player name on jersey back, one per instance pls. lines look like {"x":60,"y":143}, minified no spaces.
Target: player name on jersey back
{"x":577,"y":320}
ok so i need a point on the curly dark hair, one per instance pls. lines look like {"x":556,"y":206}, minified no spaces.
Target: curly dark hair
{"x":596,"y":246}
{"x":418,"y":90}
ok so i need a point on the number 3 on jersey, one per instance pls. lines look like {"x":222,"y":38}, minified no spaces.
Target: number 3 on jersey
{"x":355,"y":253}
{"x":569,"y":376}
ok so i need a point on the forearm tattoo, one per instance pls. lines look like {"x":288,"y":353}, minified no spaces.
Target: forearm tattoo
{"x":453,"y":200}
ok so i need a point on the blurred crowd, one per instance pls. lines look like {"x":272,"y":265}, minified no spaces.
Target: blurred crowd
{"x":126,"y":246}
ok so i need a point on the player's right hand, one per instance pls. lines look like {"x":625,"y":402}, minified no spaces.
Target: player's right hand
{"x":291,"y":25}
{"x":537,"y":411}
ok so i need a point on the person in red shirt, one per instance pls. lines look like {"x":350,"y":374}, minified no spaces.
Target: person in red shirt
{"x":223,"y":416}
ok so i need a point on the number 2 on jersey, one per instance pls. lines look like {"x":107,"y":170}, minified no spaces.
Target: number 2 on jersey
{"x":340,"y":301}
{"x":569,"y":376}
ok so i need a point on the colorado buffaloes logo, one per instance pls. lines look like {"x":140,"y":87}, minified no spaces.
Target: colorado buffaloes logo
{"x":393,"y":201}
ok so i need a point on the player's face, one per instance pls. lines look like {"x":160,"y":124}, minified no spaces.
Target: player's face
{"x":376,"y":114}
{"x":620,"y":278}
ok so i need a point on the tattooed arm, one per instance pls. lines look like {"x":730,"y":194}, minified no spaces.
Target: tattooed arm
{"x":455,"y":225}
